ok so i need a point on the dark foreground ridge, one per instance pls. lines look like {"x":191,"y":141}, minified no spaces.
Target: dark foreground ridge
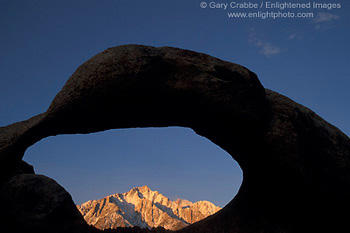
{"x":135,"y":230}
{"x":296,"y":166}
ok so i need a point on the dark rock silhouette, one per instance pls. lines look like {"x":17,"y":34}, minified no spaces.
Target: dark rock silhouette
{"x":296,"y":166}
{"x":36,"y":203}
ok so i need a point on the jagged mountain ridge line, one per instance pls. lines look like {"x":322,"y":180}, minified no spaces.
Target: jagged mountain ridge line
{"x":145,"y":208}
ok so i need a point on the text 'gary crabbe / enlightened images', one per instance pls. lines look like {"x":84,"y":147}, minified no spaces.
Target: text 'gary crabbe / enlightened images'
{"x":270,"y":9}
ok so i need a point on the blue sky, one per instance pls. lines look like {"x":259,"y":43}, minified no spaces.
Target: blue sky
{"x":43,"y":42}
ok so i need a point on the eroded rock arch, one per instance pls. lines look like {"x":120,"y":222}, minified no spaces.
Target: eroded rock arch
{"x":296,"y":166}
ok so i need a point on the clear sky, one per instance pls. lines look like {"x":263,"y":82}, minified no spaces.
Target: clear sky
{"x":43,"y":42}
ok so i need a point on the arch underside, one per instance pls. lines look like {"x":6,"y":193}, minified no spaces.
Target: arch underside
{"x":296,"y":166}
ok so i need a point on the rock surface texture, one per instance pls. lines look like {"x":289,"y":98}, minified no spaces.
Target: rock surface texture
{"x":296,"y":166}
{"x":144,"y":208}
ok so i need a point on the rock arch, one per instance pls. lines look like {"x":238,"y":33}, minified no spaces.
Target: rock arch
{"x":296,"y":166}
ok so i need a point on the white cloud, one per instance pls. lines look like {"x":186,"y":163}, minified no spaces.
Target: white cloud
{"x":324,"y":17}
{"x":295,"y":36}
{"x":292,"y":36}
{"x":266,"y":48}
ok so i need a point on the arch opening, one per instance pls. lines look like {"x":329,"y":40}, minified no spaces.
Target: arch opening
{"x":174,"y":161}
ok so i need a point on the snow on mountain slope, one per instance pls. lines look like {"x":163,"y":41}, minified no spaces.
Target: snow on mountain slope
{"x":144,"y":208}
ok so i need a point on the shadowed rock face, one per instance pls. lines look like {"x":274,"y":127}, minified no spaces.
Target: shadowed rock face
{"x":35,"y":203}
{"x":296,"y":166}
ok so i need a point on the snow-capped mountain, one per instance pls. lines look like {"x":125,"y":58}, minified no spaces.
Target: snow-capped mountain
{"x":144,"y":208}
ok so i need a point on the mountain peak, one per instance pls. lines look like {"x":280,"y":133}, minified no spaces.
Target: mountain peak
{"x":182,"y":202}
{"x":144,"y":189}
{"x":144,"y":208}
